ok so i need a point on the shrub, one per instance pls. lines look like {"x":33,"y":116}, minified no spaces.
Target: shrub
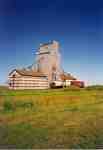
{"x":8,"y":106}
{"x":24,"y":104}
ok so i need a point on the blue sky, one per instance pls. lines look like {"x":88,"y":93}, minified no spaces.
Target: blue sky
{"x":76,"y":24}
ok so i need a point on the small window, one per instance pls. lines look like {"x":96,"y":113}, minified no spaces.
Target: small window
{"x":13,"y":75}
{"x":10,"y":84}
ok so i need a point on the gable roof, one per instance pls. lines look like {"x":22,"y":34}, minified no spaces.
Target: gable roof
{"x":25,"y":72}
{"x":67,"y":76}
{"x":46,"y":44}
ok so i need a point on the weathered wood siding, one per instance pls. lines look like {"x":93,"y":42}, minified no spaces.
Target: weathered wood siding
{"x":49,"y":60}
{"x":28,"y":82}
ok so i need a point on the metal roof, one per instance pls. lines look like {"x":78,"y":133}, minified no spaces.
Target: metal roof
{"x":25,"y":72}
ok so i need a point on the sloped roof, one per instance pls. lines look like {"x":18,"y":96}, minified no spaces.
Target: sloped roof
{"x":67,"y":76}
{"x":25,"y":72}
{"x":46,"y":44}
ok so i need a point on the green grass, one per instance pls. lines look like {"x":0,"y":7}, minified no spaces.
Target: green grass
{"x":58,"y":118}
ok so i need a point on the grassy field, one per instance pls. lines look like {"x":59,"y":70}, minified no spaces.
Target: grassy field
{"x":57,"y":118}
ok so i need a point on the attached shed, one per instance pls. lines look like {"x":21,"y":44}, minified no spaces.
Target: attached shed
{"x":67,"y":78}
{"x":27,"y":79}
